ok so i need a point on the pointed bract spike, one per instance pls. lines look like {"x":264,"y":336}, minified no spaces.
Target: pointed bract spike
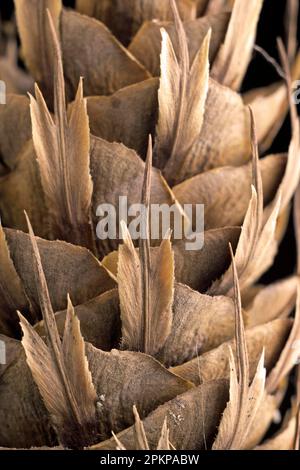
{"x":292,"y":174}
{"x":72,"y":402}
{"x":297,"y":226}
{"x":234,"y":56}
{"x":126,"y":237}
{"x":267,"y":245}
{"x":41,"y":363}
{"x":182,"y":97}
{"x":297,"y":433}
{"x":164,"y":441}
{"x":139,"y":432}
{"x":168,"y":97}
{"x":62,"y":146}
{"x":257,"y":245}
{"x":44,"y":299}
{"x":48,"y":379}
{"x":244,"y":400}
{"x":168,"y":234}
{"x":33,"y":28}
{"x":145,"y":257}
{"x":140,"y":438}
{"x":245,"y":250}
{"x":59,"y":82}
{"x":75,"y":360}
{"x":13,"y":296}
{"x":291,"y":21}
{"x":184,"y":60}
{"x":147,"y":175}
{"x":162,"y":295}
{"x":146,"y":286}
{"x":257,"y":179}
{"x":118,"y":442}
{"x":241,"y":347}
{"x":290,"y":354}
{"x":157,"y":280}
{"x":130,"y":292}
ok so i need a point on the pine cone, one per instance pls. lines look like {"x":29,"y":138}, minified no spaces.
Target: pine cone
{"x":145,"y":344}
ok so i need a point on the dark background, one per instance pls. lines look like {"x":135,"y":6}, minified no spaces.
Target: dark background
{"x":261,"y":73}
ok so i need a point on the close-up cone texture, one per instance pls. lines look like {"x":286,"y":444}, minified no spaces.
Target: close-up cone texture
{"x":121,"y":343}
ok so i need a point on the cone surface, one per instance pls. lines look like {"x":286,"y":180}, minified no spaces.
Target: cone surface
{"x":145,"y":344}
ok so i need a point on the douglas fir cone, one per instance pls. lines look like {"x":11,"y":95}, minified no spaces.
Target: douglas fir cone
{"x":122,"y":344}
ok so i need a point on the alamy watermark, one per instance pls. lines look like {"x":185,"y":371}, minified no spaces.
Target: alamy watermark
{"x":2,"y":353}
{"x":2,"y":92}
{"x":162,"y":218}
